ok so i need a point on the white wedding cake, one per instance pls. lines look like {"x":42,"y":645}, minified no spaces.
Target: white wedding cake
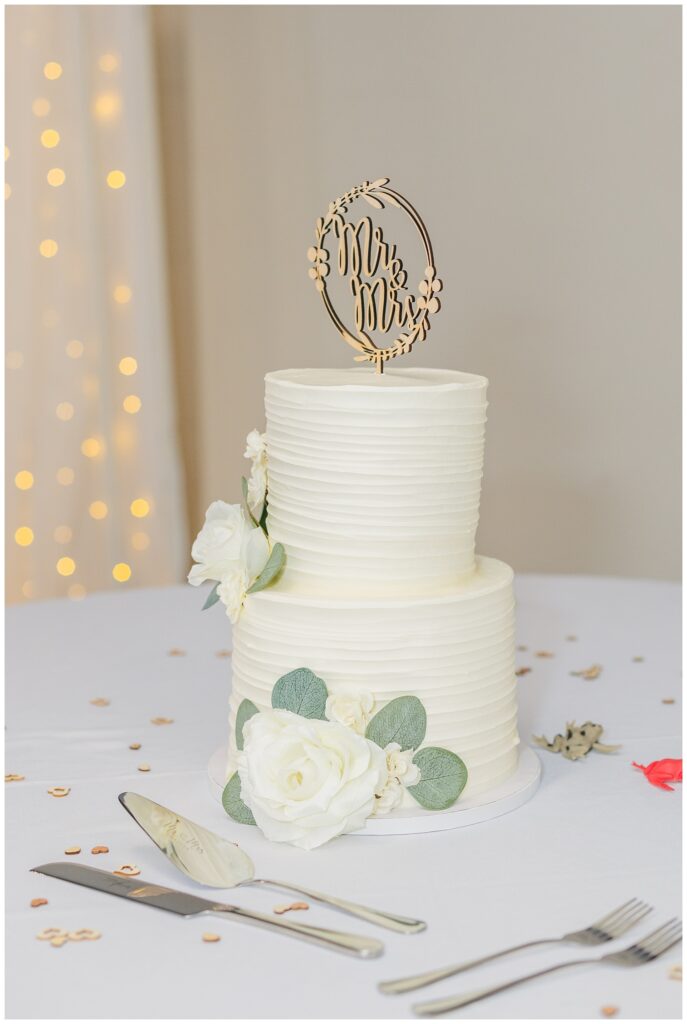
{"x":374,"y":489}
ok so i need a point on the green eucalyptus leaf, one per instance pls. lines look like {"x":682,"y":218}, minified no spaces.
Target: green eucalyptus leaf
{"x":403,"y":721}
{"x":246,"y":710}
{"x":233,"y":804}
{"x":244,"y":488}
{"x":212,"y":598}
{"x":442,"y":778}
{"x":263,"y":516}
{"x":274,"y":565}
{"x":302,"y":692}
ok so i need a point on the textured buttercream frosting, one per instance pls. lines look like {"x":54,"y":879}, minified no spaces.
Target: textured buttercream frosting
{"x":374,"y":480}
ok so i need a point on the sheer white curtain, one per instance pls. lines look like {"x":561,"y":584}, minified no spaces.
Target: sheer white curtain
{"x":94,"y":494}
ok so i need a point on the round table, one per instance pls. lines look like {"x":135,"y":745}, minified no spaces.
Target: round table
{"x":88,"y":679}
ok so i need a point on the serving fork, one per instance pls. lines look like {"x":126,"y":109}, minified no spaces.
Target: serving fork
{"x":608,"y":928}
{"x":651,"y":947}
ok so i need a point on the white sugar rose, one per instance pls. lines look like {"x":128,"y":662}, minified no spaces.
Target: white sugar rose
{"x":307,"y":780}
{"x":351,"y":708}
{"x":256,"y":447}
{"x":232,"y":592}
{"x":227,"y":542}
{"x":400,"y":772}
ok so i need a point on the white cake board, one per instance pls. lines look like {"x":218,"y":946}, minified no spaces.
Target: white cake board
{"x":508,"y":796}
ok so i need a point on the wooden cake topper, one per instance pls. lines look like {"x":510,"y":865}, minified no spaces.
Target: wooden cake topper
{"x":377,"y":278}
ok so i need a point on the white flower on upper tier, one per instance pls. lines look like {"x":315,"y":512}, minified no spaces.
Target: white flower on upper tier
{"x":256,"y":450}
{"x":401,"y":772}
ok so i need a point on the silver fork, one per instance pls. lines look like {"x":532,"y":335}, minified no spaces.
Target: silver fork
{"x":654,"y":945}
{"x":608,"y":928}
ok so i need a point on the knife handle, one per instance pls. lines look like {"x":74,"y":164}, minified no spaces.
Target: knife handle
{"x":394,"y":922}
{"x":342,"y":942}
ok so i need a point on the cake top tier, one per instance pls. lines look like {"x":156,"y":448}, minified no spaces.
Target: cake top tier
{"x":374,"y":480}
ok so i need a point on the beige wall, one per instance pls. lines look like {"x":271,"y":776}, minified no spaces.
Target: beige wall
{"x":542,"y":146}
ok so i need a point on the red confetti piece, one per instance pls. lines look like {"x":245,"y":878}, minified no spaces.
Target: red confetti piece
{"x":660,"y":773}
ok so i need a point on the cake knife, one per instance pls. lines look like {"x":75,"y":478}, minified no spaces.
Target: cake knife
{"x":187,"y":905}
{"x":212,"y":860}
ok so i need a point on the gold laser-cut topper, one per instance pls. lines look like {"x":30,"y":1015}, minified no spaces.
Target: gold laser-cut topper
{"x":377,"y":277}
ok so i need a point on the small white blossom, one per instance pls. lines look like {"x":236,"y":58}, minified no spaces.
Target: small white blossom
{"x":351,"y":708}
{"x":256,"y":446}
{"x":256,"y":451}
{"x":232,"y":592}
{"x":400,"y":772}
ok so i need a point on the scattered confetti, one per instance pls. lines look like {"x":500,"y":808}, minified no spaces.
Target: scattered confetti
{"x":13,"y":777}
{"x":100,"y":849}
{"x":223,"y":654}
{"x":521,"y":647}
{"x":40,"y":901}
{"x":638,"y":657}
{"x":283,"y":908}
{"x":544,"y":654}
{"x":134,"y":746}
{"x":522,"y":671}
{"x":660,"y":773}
{"x":571,"y":638}
{"x":593,"y":672}
{"x":210,"y":937}
{"x":609,"y":1011}
{"x":144,"y":767}
{"x":51,"y":933}
{"x":100,"y":702}
{"x":59,"y":791}
{"x":83,"y":934}
{"x":161,"y":721}
{"x":675,"y":973}
{"x":59,"y":940}
{"x":668,"y":700}
{"x":71,"y":850}
{"x":176,"y":652}
{"x":127,"y":871}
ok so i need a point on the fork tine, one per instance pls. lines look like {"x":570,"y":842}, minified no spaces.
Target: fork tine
{"x":654,"y":935}
{"x":669,"y":935}
{"x":623,"y":925}
{"x":605,"y":920}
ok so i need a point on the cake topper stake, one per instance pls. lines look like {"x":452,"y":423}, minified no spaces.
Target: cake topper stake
{"x":381,"y":301}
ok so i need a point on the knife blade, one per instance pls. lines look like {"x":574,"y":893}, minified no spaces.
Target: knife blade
{"x":187,"y":905}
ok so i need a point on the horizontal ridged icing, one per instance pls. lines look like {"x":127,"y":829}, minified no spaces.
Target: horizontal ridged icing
{"x":454,"y":651}
{"x":374,"y":481}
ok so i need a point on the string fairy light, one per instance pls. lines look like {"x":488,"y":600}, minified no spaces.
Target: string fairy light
{"x":50,"y":138}
{"x":48,"y":248}
{"x":91,"y":447}
{"x":23,"y":536}
{"x":121,"y":572}
{"x":108,"y":62}
{"x":139,"y":508}
{"x":116,"y":179}
{"x":40,"y":107}
{"x":122,"y":294}
{"x":97,"y":510}
{"x":65,"y":566}
{"x":56,"y":177}
{"x":64,"y":411}
{"x":65,"y":476}
{"x":132,"y":404}
{"x":128,"y":366}
{"x":74,"y":349}
{"x":52,"y":70}
{"x":23,"y":480}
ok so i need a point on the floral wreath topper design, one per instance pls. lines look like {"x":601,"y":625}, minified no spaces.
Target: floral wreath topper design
{"x":381,"y":302}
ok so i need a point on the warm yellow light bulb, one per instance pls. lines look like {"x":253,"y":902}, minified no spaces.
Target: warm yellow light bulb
{"x":23,"y":536}
{"x":74,"y":349}
{"x":97,"y":510}
{"x":128,"y":366}
{"x":108,"y":62}
{"x":40,"y":107}
{"x":56,"y":177}
{"x":7,"y":152}
{"x":66,"y":566}
{"x":27,"y":588}
{"x":140,"y":541}
{"x":50,"y":138}
{"x":62,"y":534}
{"x":91,"y":447}
{"x":121,"y":572}
{"x":64,"y":411}
{"x":116,"y":179}
{"x":122,"y":294}
{"x":65,"y":476}
{"x":52,"y":70}
{"x":76,"y":591}
{"x":48,"y":248}
{"x":24,"y":480}
{"x":139,"y":507}
{"x":107,"y":105}
{"x":131,"y":404}
{"x":8,"y":190}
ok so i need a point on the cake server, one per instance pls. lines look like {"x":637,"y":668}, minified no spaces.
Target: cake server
{"x":187,"y":905}
{"x":208,"y":858}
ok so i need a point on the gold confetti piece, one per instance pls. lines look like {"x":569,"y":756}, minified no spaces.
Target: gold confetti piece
{"x":71,"y":850}
{"x":38,"y":902}
{"x":100,"y":702}
{"x":593,"y":672}
{"x":59,"y":791}
{"x":144,"y":767}
{"x":572,"y":638}
{"x":100,"y":849}
{"x":522,"y":671}
{"x":210,"y":937}
{"x":127,"y":871}
{"x":176,"y":652}
{"x":223,"y":654}
{"x":161,"y":721}
{"x":544,"y":654}
{"x":13,"y":777}
{"x":283,"y":908}
{"x":675,"y":973}
{"x":638,"y":657}
{"x":84,"y":935}
{"x":609,"y":1011}
{"x":51,"y":933}
{"x":59,"y":940}
{"x":134,"y":746}
{"x":668,"y":700}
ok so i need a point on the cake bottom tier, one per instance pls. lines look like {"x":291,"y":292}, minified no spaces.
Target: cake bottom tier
{"x":455,"y":652}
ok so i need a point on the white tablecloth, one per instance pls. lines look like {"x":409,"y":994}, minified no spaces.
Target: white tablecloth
{"x":595,"y":834}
